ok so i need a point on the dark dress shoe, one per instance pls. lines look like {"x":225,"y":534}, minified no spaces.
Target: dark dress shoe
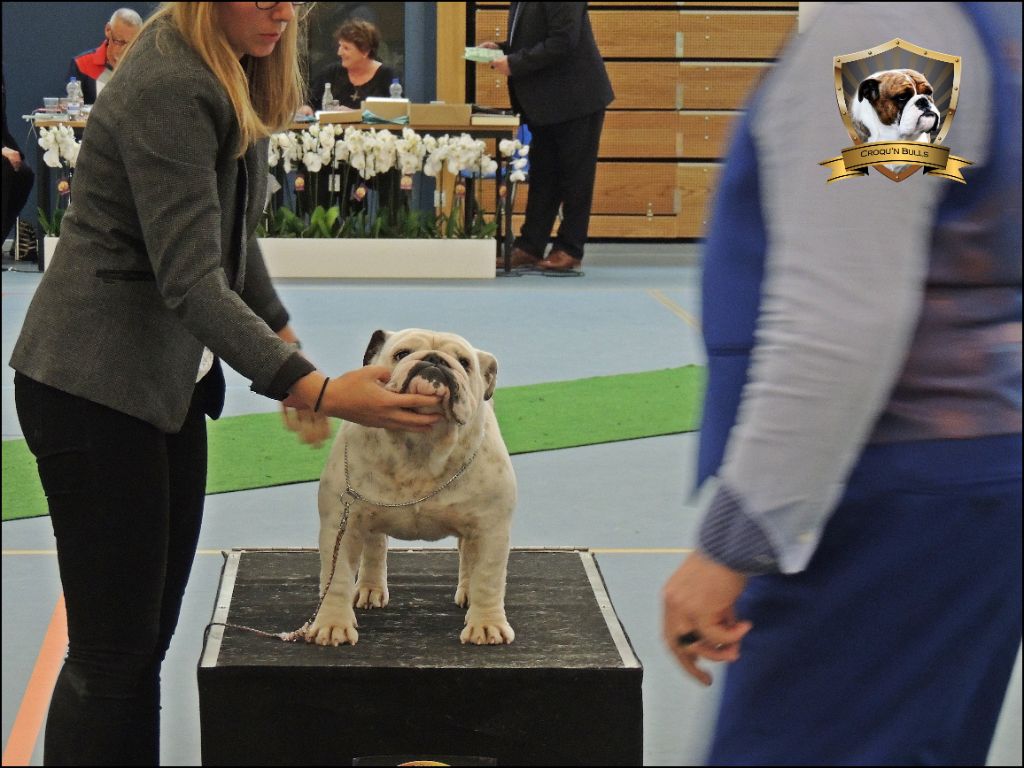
{"x":560,"y":261}
{"x":520,"y":258}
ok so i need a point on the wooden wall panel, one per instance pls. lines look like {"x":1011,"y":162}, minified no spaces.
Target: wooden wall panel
{"x":659,"y":85}
{"x":666,"y":135}
{"x":670,"y":34}
{"x":682,"y":73}
{"x":632,"y":189}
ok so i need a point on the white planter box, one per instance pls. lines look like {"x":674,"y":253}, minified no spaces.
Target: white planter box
{"x":49,"y":247}
{"x":379,"y":258}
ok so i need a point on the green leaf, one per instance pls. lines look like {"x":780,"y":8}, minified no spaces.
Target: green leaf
{"x":45,"y":221}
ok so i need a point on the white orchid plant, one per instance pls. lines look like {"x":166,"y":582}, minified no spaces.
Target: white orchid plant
{"x":61,"y":152}
{"x":321,"y":152}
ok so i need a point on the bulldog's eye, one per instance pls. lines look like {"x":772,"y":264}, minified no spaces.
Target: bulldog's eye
{"x":902,"y":98}
{"x":465,"y":363}
{"x":400,"y":354}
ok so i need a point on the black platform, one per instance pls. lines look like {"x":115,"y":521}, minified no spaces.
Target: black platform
{"x":566,"y":692}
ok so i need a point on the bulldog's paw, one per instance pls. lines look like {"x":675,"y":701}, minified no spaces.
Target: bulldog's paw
{"x":369,"y":596}
{"x":487,"y":632}
{"x":333,"y":630}
{"x":462,"y":596}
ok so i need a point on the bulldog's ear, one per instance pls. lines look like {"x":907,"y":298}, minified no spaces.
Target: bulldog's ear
{"x":868,"y":90}
{"x":489,"y":370}
{"x":376,"y":342}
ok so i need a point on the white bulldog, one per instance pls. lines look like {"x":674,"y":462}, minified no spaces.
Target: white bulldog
{"x":387,"y":471}
{"x":895,"y":105}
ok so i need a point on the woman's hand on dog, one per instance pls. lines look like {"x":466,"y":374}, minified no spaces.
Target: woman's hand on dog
{"x":360,"y":396}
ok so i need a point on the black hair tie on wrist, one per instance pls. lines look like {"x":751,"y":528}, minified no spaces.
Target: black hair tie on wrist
{"x":316,"y":408}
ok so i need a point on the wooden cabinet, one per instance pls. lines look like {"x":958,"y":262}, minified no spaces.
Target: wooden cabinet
{"x":682,"y":73}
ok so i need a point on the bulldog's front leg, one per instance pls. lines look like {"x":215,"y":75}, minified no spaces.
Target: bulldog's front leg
{"x":485,"y":620}
{"x":335,"y":622}
{"x":372,"y":589}
{"x":467,"y":551}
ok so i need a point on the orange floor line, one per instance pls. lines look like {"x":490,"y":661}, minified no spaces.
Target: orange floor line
{"x":35,"y":702}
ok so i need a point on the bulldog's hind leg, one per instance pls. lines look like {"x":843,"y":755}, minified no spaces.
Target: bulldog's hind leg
{"x":372,"y":589}
{"x":485,"y":620}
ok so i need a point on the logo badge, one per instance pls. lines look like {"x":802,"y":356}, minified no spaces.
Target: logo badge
{"x":897,"y":101}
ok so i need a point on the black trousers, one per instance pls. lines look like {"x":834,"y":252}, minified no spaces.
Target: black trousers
{"x":563,"y":163}
{"x":17,"y":186}
{"x":126,"y":503}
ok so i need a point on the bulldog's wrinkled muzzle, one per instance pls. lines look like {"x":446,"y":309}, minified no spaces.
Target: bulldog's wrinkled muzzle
{"x":432,"y":375}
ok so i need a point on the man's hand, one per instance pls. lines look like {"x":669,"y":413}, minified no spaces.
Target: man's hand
{"x":501,"y":66}
{"x":13,"y":156}
{"x":699,"y":608}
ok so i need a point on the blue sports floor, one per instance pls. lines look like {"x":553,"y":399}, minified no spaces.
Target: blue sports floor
{"x":636,"y":309}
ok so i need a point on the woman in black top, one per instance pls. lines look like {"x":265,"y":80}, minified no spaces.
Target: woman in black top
{"x":355,"y":77}
{"x":358,"y":74}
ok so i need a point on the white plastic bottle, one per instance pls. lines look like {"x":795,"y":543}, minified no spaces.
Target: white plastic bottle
{"x":328,"y":100}
{"x":396,"y":89}
{"x":75,"y":97}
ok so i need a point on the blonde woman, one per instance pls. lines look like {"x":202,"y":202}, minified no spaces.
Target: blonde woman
{"x":157,"y":279}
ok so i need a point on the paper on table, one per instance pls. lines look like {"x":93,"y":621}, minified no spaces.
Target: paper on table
{"x":484,"y":55}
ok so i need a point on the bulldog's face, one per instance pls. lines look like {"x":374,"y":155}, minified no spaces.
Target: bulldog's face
{"x":432,"y":363}
{"x":895,"y":105}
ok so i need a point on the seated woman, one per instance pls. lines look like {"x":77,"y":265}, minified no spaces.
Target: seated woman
{"x":357,"y":74}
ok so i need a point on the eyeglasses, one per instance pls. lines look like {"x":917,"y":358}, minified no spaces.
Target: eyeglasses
{"x":268,"y":6}
{"x":118,"y":43}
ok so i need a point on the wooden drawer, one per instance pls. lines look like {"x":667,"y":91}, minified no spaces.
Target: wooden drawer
{"x":656,"y":85}
{"x":696,"y":183}
{"x":491,"y":26}
{"x":671,"y":85}
{"x":620,"y":188}
{"x":770,"y":5}
{"x":690,"y":196}
{"x":792,"y":6}
{"x":627,"y":227}
{"x":689,"y":135}
{"x":691,"y":34}
{"x":672,"y":34}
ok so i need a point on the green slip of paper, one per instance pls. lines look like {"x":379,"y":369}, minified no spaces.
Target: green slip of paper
{"x":255,"y":451}
{"x":483,"y":55}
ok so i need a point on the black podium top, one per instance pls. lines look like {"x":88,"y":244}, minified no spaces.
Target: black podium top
{"x":556,"y":601}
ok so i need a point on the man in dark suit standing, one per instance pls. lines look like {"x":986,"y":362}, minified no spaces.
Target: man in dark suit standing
{"x":558,"y":83}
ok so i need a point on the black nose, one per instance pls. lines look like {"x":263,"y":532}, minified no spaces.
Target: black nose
{"x":435,"y":360}
{"x":923,"y":103}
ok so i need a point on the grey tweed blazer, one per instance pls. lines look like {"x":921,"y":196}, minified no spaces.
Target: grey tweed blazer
{"x":157,"y":255}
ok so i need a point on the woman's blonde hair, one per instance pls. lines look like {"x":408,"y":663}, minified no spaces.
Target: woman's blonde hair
{"x":265,"y":92}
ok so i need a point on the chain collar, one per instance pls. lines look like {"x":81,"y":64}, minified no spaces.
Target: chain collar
{"x":353,"y":493}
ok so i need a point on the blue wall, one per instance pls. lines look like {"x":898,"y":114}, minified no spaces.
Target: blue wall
{"x":39,"y":40}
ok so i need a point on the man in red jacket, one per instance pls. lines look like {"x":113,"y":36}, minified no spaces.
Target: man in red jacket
{"x":93,"y":68}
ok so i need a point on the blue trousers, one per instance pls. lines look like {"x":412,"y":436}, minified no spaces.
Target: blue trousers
{"x":895,"y":646}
